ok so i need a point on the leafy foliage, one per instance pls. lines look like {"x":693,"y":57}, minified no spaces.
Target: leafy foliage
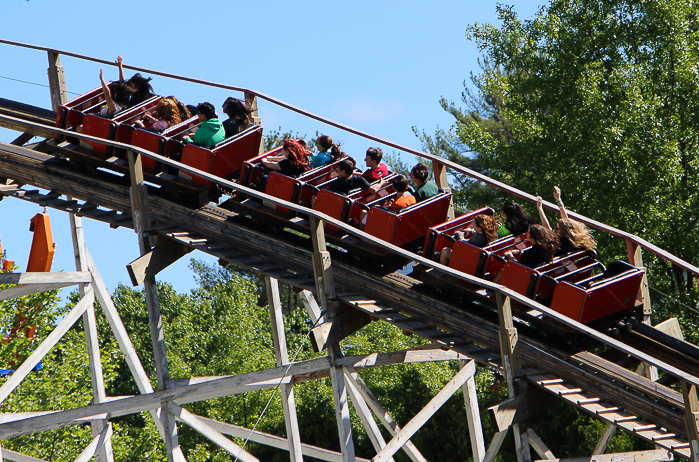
{"x":602,"y":99}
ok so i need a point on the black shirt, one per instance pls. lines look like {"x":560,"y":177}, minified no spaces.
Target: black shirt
{"x":566,"y":247}
{"x":534,"y":256}
{"x":345,"y":185}
{"x":232,"y":127}
{"x":288,"y":169}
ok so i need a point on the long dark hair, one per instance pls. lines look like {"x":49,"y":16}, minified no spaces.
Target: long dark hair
{"x":327,"y":143}
{"x":144,"y":88}
{"x":546,"y":239}
{"x":120,"y":93}
{"x":519,"y":219}
{"x":237,"y":111}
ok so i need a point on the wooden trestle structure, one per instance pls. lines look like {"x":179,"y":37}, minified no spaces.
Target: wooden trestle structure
{"x":340,"y":298}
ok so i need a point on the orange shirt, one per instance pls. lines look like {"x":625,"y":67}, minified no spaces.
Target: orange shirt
{"x":403,"y":202}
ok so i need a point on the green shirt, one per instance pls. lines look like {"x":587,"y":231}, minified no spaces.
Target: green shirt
{"x":504,"y":230}
{"x":426,"y":191}
{"x":209,"y":133}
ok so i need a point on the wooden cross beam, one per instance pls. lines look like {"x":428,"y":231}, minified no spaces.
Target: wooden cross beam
{"x":428,"y":411}
{"x":280,"y":349}
{"x":99,"y":394}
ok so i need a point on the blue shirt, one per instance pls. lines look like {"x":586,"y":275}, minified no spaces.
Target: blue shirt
{"x":321,"y":158}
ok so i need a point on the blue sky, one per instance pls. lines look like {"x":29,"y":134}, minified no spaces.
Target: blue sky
{"x":381,"y":67}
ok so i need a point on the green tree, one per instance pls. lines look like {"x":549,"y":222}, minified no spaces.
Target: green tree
{"x":601,"y":98}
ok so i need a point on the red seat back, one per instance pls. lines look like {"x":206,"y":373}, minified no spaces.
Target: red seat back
{"x":603,"y":299}
{"x":437,"y":239}
{"x":226,"y":158}
{"x":409,"y":224}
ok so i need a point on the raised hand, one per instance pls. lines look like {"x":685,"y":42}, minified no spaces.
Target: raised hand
{"x":557,"y":193}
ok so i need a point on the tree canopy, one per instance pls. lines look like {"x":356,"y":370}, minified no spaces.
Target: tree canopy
{"x":602,"y":99}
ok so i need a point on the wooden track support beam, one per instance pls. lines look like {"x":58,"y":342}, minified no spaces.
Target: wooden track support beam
{"x":325,"y":288}
{"x":509,"y":349}
{"x":382,"y":414}
{"x":57,"y":80}
{"x":141,"y":220}
{"x":654,"y":455}
{"x":282,"y":355}
{"x":539,"y":445}
{"x":210,"y":433}
{"x":274,"y":441}
{"x":442,"y":180}
{"x":604,"y":439}
{"x":97,"y":443}
{"x":428,"y":411}
{"x":473,"y":415}
{"x":691,"y":415}
{"x":147,"y":266}
{"x":99,"y":395}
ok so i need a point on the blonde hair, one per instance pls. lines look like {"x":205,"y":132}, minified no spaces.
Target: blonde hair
{"x":577,"y":234}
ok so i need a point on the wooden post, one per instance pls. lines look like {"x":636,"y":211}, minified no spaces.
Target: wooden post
{"x":287,"y":390}
{"x":604,"y":440}
{"x":325,"y":289}
{"x":691,"y":415}
{"x":440,"y":177}
{"x":509,"y":350}
{"x":99,"y":395}
{"x":57,"y":81}
{"x":141,"y":220}
{"x":428,"y":411}
{"x":636,"y":259}
{"x":251,"y":103}
{"x":381,"y":413}
{"x":475,"y":430}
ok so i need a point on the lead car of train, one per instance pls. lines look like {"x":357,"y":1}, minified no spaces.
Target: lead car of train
{"x":576,"y":285}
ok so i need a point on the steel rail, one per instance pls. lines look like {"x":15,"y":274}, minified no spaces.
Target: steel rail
{"x":603,"y":338}
{"x":452,"y":165}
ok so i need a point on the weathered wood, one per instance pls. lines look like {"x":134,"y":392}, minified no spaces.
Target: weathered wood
{"x":149,"y":265}
{"x":57,"y":80}
{"x":442,"y":180}
{"x":141,"y":218}
{"x":691,"y":415}
{"x":46,"y":346}
{"x":325,"y":288}
{"x":99,"y":395}
{"x":494,"y":446}
{"x":383,"y":415}
{"x":345,"y":322}
{"x":311,"y":305}
{"x":539,"y":445}
{"x":211,"y":434}
{"x":509,"y":350}
{"x":97,"y":442}
{"x":473,"y":416}
{"x":122,"y":337}
{"x":19,"y":291}
{"x":274,"y":441}
{"x":280,"y":349}
{"x":604,"y":439}
{"x":519,"y":409}
{"x":362,"y":409}
{"x":76,"y":277}
{"x":22,"y":139}
{"x":636,"y":258}
{"x":19,"y":457}
{"x":428,"y":411}
{"x":655,"y":455}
